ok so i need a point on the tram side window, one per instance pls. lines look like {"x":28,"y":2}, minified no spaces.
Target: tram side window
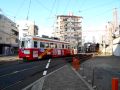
{"x":42,"y":44}
{"x":23,"y":44}
{"x":51,"y":45}
{"x":63,"y":46}
{"x":69,"y":47}
{"x":66,"y":46}
{"x":46,"y":45}
{"x":55,"y":45}
{"x":35,"y":44}
{"x":60,"y":45}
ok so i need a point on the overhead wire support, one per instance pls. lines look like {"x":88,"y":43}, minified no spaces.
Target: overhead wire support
{"x":28,"y":10}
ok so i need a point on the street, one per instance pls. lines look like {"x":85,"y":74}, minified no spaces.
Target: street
{"x":18,"y":75}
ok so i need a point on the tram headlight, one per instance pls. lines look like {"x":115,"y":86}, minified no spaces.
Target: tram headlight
{"x":26,"y":51}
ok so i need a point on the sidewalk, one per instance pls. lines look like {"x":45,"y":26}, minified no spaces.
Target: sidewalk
{"x":65,"y":78}
{"x":100,"y":70}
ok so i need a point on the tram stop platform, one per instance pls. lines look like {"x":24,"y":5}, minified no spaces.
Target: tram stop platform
{"x":65,"y":78}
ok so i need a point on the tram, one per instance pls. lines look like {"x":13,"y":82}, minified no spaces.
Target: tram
{"x":34,"y":48}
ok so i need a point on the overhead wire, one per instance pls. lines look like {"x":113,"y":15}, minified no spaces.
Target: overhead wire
{"x":53,"y":5}
{"x":19,"y":9}
{"x":42,"y":5}
{"x":67,"y":5}
{"x":94,"y":7}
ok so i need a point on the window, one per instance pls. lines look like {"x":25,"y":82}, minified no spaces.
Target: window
{"x":42,"y":44}
{"x":62,"y":45}
{"x":55,"y":45}
{"x":66,"y":46}
{"x":59,"y":45}
{"x":35,"y":44}
{"x":46,"y":45}
{"x":23,"y":44}
{"x":52,"y":45}
{"x":16,"y":40}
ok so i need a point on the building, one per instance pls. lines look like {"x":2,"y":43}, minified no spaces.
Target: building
{"x":8,"y":36}
{"x":68,"y":28}
{"x":27,"y":28}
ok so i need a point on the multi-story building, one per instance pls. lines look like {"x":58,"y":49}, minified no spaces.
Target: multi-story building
{"x":8,"y":36}
{"x":27,"y":28}
{"x":68,"y":28}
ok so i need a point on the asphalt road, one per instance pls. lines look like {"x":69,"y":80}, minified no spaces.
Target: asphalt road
{"x":17,"y":75}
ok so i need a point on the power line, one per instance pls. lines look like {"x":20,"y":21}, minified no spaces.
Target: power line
{"x":20,"y":7}
{"x":66,"y":6}
{"x":52,"y":8}
{"x":42,"y":5}
{"x":94,"y":7}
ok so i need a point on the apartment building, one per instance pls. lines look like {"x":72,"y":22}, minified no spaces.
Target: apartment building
{"x":27,"y":28}
{"x":8,"y":36}
{"x":68,"y":28}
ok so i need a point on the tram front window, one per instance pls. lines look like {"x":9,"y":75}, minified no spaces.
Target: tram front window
{"x":23,"y":44}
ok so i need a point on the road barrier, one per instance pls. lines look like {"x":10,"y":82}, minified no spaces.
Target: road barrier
{"x":76,"y":63}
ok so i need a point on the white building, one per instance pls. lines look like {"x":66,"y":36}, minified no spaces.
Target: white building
{"x":8,"y":36}
{"x":27,"y":28}
{"x":69,"y":29}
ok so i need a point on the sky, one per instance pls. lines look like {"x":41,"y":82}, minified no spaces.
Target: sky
{"x":95,"y":13}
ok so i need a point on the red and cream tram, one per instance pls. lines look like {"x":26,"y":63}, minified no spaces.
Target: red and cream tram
{"x":33,"y":47}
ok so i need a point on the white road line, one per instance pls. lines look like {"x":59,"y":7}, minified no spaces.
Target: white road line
{"x":47,"y":65}
{"x":44,"y":73}
{"x":39,"y":80}
{"x":49,"y":60}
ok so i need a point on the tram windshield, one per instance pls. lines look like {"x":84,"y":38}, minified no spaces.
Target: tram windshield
{"x":25,"y":43}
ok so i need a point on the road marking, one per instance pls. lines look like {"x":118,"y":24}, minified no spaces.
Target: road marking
{"x":49,"y":60}
{"x":41,"y":80}
{"x":44,"y":73}
{"x":47,"y":65}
